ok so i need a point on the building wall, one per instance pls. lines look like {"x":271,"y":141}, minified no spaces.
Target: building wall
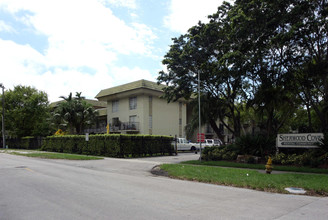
{"x":165,"y":116}
{"x":122,"y":113}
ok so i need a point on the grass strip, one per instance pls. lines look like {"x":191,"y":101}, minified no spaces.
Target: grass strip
{"x":58,"y":156}
{"x":314,"y":184}
{"x":257,"y":166}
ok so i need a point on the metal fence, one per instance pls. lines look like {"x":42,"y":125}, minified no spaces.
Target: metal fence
{"x":24,"y":143}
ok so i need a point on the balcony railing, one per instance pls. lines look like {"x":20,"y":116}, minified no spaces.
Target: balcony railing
{"x":125,"y":126}
{"x":96,"y":130}
{"x":122,"y":126}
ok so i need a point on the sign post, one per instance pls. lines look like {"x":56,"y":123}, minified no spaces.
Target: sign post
{"x":3,"y":116}
{"x":200,"y":140}
{"x":201,"y":137}
{"x":87,"y":139}
{"x":176,"y":144}
{"x":199,"y":118}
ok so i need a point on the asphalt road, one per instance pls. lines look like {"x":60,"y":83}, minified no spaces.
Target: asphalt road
{"x":32,"y":188}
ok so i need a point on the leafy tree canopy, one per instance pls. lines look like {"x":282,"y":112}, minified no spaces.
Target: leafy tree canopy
{"x":271,"y":55}
{"x":26,"y":112}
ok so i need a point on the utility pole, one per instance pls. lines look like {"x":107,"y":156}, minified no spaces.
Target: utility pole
{"x":199,"y":122}
{"x":3,"y":116}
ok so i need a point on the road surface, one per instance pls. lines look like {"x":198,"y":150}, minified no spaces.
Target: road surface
{"x":32,"y":188}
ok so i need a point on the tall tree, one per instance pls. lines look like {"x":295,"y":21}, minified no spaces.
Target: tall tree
{"x":259,"y":52}
{"x":311,"y":39}
{"x":263,"y":30}
{"x":27,"y":112}
{"x":74,"y":113}
{"x":206,"y":50}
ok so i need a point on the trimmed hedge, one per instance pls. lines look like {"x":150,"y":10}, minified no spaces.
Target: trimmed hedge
{"x":110,"y":145}
{"x":30,"y":143}
{"x":215,"y":153}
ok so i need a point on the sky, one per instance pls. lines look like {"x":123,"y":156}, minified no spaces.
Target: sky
{"x":63,"y":46}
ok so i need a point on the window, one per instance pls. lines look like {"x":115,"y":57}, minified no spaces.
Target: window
{"x":133,"y":119}
{"x":133,"y":103}
{"x":132,"y":122}
{"x":115,"y":106}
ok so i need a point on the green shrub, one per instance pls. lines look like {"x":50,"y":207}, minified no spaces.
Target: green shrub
{"x":256,"y":145}
{"x":216,"y":153}
{"x":311,"y":157}
{"x":24,"y":143}
{"x":276,"y":159}
{"x":263,"y":146}
{"x":113,"y":145}
{"x":251,"y":160}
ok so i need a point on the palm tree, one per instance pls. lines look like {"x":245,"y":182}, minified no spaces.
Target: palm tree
{"x":75,"y":113}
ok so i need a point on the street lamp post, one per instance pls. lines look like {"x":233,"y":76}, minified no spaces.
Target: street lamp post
{"x":199,"y":122}
{"x":3,"y":116}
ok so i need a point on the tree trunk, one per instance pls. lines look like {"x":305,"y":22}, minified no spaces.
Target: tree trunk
{"x":325,"y":100}
{"x":310,"y":129}
{"x":237,"y":125}
{"x":216,"y":129}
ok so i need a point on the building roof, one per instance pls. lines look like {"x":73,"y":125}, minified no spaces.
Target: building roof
{"x":95,"y":103}
{"x":140,"y":84}
{"x":102,"y":112}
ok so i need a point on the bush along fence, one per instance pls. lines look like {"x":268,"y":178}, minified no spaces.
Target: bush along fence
{"x":30,"y":143}
{"x":112,"y":145}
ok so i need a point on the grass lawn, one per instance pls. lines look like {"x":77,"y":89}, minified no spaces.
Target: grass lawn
{"x":257,"y":166}
{"x":314,"y":184}
{"x":48,"y":155}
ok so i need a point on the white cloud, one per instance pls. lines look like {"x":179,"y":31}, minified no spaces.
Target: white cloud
{"x":5,"y":27}
{"x":122,"y":3}
{"x":84,"y":40}
{"x":83,"y":24}
{"x":12,"y":54}
{"x":134,"y":15}
{"x":185,"y":13}
{"x":22,"y":65}
{"x":61,"y":82}
{"x":126,"y":75}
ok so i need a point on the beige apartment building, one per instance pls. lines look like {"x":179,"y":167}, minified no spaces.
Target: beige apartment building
{"x":137,"y":107}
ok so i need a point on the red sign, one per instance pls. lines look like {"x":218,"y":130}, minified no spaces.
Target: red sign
{"x":200,"y":137}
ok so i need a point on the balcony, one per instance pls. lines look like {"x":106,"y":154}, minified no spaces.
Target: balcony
{"x":95,"y":130}
{"x":125,"y":127}
{"x":122,"y":127}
